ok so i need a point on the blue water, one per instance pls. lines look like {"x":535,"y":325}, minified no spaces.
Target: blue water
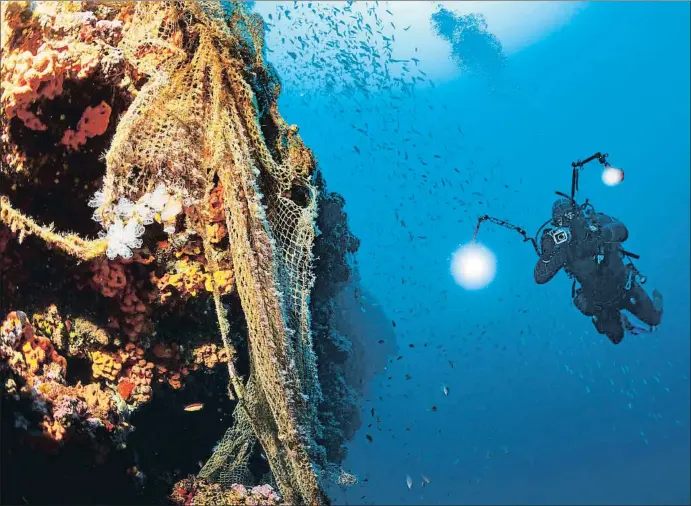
{"x":541,"y":408}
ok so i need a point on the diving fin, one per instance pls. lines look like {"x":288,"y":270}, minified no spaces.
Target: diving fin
{"x":657,"y":301}
{"x":631,"y":328}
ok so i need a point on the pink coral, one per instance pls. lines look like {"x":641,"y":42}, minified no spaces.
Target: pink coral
{"x":265,"y":491}
{"x":240,"y":489}
{"x":193,"y":490}
{"x":94,"y":122}
{"x":69,"y":407}
{"x":110,"y":31}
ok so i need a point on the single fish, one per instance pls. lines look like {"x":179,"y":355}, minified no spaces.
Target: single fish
{"x":195,"y":406}
{"x":409,"y":481}
{"x":425,"y":481}
{"x":445,"y":389}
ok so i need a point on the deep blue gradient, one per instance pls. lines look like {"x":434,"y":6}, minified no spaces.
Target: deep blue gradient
{"x":541,"y":408}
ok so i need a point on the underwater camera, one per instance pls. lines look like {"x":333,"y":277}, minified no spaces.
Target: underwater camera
{"x":560,"y":235}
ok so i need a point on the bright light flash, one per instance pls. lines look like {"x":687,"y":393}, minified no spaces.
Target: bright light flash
{"x":612,"y":176}
{"x":473,"y":266}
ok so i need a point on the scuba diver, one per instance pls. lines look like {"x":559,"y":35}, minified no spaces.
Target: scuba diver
{"x":587,"y":245}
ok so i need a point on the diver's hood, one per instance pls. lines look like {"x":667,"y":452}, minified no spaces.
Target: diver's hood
{"x":561,"y":207}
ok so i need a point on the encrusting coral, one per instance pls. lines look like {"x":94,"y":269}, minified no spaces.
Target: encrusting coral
{"x":32,"y":359}
{"x":42,"y":371}
{"x":105,"y":365}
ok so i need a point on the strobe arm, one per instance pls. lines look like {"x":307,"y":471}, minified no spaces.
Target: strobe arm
{"x":602,"y":158}
{"x":505,"y":224}
{"x":578,"y":165}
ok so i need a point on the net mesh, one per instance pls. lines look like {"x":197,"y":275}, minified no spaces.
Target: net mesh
{"x":196,"y":122}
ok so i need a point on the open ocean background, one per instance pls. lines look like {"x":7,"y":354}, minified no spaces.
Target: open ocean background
{"x":541,"y":409}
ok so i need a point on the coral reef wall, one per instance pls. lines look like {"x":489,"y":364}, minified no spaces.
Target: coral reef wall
{"x":334,"y":251}
{"x":150,"y":193}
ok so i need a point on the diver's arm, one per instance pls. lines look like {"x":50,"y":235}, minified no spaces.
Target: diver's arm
{"x":553,"y":258}
{"x":610,"y":229}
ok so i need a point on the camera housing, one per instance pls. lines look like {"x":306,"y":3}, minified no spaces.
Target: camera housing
{"x":560,"y":235}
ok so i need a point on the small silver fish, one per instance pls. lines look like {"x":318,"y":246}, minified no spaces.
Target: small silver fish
{"x":425,"y":481}
{"x":445,"y":389}
{"x":409,"y":481}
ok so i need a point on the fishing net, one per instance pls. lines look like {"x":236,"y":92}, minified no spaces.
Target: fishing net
{"x":199,"y":120}
{"x":207,"y":116}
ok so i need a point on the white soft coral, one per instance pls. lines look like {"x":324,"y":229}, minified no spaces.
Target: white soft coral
{"x":140,"y":211}
{"x":128,"y":218}
{"x":124,"y":208}
{"x":123,"y":238}
{"x":156,"y":200}
{"x":97,"y":201}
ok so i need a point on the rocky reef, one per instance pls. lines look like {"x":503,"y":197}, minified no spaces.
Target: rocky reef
{"x":114,"y":285}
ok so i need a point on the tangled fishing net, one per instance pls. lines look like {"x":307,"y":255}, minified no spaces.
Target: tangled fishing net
{"x":201,"y":149}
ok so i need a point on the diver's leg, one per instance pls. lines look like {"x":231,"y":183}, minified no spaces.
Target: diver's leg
{"x":609,"y":323}
{"x":582,"y":304}
{"x":638,"y":303}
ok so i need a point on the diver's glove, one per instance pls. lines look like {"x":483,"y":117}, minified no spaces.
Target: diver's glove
{"x":548,"y":244}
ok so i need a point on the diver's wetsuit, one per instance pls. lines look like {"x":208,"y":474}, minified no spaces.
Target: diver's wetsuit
{"x":593,"y":256}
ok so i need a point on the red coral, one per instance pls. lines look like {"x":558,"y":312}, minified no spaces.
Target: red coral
{"x":113,"y":280}
{"x":109,"y":277}
{"x":94,"y":122}
{"x":125,"y":388}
